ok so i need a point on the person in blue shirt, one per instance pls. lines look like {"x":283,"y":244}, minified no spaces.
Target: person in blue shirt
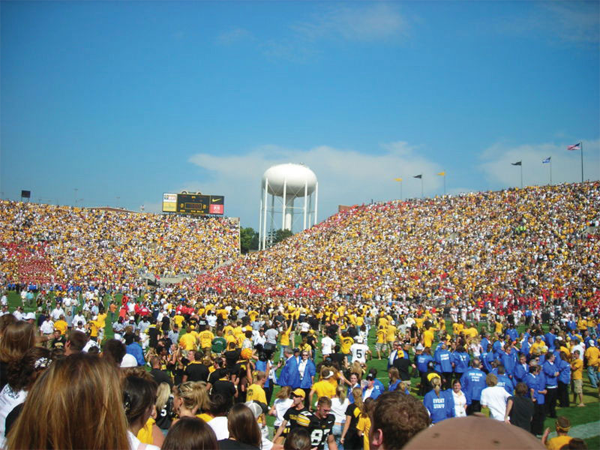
{"x":550,"y":337}
{"x":536,"y":382}
{"x":443,"y":359}
{"x":422,"y":360}
{"x":526,"y":345}
{"x":439,"y":404}
{"x":512,"y":333}
{"x":473,"y":382}
{"x":460,"y":361}
{"x":504,"y":381}
{"x":289,"y":375}
{"x":551,"y":371}
{"x":484,"y":341}
{"x":487,"y":356}
{"x":564,"y":380}
{"x":508,"y":358}
{"x":521,"y":369}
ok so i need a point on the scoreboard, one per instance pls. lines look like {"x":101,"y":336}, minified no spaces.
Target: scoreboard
{"x":194,"y":204}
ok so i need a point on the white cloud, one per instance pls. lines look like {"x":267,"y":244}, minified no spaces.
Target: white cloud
{"x":370,"y":22}
{"x":345,"y":176}
{"x":566,"y":166}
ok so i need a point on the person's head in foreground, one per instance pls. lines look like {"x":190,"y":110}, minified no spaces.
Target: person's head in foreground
{"x":76,"y":403}
{"x":395,"y":419}
{"x":190,"y":433}
{"x":474,"y":432}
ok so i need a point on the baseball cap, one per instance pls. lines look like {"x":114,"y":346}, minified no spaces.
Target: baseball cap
{"x":370,"y":377}
{"x":299,"y":393}
{"x":420,"y":347}
{"x":129,"y":361}
{"x":474,"y":432}
{"x":328,"y":374}
{"x":257,"y":408}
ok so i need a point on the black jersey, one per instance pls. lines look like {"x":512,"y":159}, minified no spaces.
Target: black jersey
{"x":291,"y":416}
{"x":319,"y":429}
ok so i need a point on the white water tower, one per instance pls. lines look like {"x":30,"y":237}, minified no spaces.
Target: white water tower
{"x":287,"y":182}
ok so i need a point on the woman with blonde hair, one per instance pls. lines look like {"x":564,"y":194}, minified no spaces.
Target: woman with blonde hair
{"x":164,"y":407}
{"x":191,"y":399}
{"x":76,"y":403}
{"x":339,"y":406}
{"x":282,"y":403}
{"x":17,"y":338}
{"x":350,"y":438}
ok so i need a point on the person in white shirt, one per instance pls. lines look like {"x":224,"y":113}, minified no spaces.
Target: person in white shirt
{"x":57,"y":312}
{"x":460,"y":400}
{"x":359,"y":351}
{"x":494,"y":397}
{"x":327,"y":345}
{"x":47,"y":327}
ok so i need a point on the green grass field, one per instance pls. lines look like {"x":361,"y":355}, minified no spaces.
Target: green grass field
{"x":578,"y":416}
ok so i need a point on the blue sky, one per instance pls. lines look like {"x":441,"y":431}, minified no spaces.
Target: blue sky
{"x":124,"y":101}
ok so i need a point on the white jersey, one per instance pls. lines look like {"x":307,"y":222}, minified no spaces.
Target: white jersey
{"x":359,"y":352}
{"x":328,"y":345}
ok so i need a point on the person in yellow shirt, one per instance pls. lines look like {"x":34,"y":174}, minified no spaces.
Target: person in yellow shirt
{"x":188,"y":340}
{"x":256,"y":390}
{"x":591,"y":356}
{"x":428,"y":337}
{"x":577,"y":377}
{"x":562,"y":425}
{"x":323,"y":387}
{"x":61,"y":325}
{"x":346,"y":342}
{"x":364,"y":422}
{"x":206,"y":337}
{"x":381,"y":341}
{"x":391,"y":335}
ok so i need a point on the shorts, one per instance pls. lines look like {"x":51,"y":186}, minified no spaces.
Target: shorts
{"x":578,"y":386}
{"x":380,"y":345}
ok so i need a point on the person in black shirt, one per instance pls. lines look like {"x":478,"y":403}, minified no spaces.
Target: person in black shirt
{"x":195,"y":370}
{"x":319,"y":425}
{"x":160,"y":376}
{"x":520,"y":408}
{"x":223,"y":385}
{"x":290,"y":417}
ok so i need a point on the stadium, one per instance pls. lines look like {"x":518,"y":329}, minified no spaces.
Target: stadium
{"x":504,"y":268}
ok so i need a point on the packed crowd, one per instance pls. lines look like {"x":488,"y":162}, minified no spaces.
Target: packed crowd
{"x":528,"y":246}
{"x":61,"y":245}
{"x":202,"y":375}
{"x":287,"y":332}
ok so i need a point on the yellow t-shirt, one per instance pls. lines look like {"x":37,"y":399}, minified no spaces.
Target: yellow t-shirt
{"x":391,"y":333}
{"x":145,"y":433}
{"x":285,"y":338}
{"x":381,"y":335}
{"x":591,"y":354}
{"x":557,"y":442}
{"x":364,"y":425}
{"x":324,"y":388}
{"x":206,"y":338}
{"x":428,"y":337}
{"x":61,"y":326}
{"x":346,"y":344}
{"x":188,"y":341}
{"x":577,"y":369}
{"x":256,"y":392}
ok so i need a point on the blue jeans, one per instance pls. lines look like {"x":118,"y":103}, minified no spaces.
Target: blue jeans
{"x":593,"y":376}
{"x":337,"y":434}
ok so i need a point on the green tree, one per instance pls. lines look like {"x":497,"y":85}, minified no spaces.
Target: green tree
{"x":248,"y":239}
{"x":280,"y":235}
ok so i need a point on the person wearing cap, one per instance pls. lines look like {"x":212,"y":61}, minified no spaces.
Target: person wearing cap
{"x":591,"y":356}
{"x":323,"y":388}
{"x":371,"y":390}
{"x":562,"y":426}
{"x":290,"y":417}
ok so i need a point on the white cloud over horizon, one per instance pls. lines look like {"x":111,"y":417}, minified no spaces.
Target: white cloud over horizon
{"x":345,"y":176}
{"x":566,"y":165}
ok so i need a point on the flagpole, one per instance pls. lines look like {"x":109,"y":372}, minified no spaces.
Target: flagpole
{"x":401,"y":191}
{"x":581,"y":148}
{"x":521,"y":175}
{"x":444,"y":185}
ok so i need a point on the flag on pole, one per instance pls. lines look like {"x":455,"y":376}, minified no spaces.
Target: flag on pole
{"x":418,"y":176}
{"x":397,"y":179}
{"x":574,"y":147}
{"x":518,"y":163}
{"x":442,"y":174}
{"x":547,"y":160}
